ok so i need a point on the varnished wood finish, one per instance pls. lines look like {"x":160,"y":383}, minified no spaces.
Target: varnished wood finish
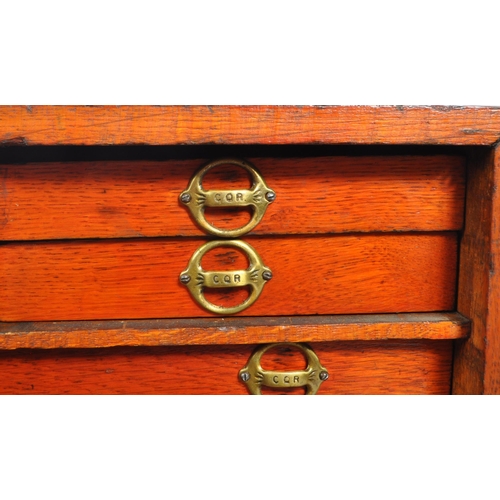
{"x":129,"y":279}
{"x":84,"y":334}
{"x":390,"y":367}
{"x":477,"y":360}
{"x":314,"y":195}
{"x":163,"y":125}
{"x":476,"y":369}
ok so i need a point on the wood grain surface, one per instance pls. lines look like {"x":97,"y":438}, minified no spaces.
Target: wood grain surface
{"x":164,"y":125}
{"x":477,"y":360}
{"x":314,"y":195}
{"x":360,"y":367}
{"x":206,"y":331}
{"x":132,"y":279}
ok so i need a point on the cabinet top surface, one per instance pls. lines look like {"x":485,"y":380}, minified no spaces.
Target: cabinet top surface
{"x":198,"y":125}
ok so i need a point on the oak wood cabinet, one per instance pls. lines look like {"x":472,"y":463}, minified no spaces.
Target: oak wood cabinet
{"x":381,"y":240}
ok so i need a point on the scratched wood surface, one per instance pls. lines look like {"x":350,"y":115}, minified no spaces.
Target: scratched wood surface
{"x":477,"y":360}
{"x":362,"y":367}
{"x":206,"y":331}
{"x":163,"y":125}
{"x":127,"y":279}
{"x":314,"y":195}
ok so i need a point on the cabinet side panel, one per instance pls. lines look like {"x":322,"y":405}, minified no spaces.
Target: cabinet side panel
{"x":477,"y":359}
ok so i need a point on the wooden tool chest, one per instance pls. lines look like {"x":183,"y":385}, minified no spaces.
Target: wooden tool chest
{"x":228,"y":250}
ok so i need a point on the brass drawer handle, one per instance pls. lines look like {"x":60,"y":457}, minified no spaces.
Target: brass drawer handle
{"x":197,"y":199}
{"x":255,"y":376}
{"x":196,"y":278}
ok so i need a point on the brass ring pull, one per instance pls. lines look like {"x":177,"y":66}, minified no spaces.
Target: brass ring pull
{"x":196,"y":278}
{"x":197,"y":199}
{"x":255,"y":376}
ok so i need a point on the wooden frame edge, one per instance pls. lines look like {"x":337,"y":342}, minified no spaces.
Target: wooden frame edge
{"x":211,"y":331}
{"x":196,"y":125}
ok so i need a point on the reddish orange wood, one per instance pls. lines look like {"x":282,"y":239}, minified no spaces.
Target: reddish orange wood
{"x":314,"y":195}
{"x":129,"y":279}
{"x":390,"y":367}
{"x":477,"y":360}
{"x":80,"y":334}
{"x":157,"y":125}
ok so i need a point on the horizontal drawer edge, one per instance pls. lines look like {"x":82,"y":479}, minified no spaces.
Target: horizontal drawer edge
{"x":165,"y":332}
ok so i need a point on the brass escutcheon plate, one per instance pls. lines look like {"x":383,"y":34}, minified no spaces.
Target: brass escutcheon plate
{"x":196,"y":199}
{"x":196,"y":278}
{"x":254,"y":376}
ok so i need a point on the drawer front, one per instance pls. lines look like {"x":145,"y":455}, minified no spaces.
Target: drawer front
{"x":363,"y":367}
{"x":119,"y":199}
{"x":311,"y":275}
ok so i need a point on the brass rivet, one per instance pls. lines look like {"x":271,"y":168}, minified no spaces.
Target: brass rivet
{"x":267,"y":275}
